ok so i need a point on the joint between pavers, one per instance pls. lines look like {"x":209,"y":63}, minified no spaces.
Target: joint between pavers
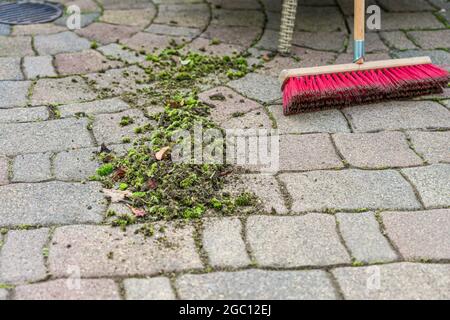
{"x":414,"y":188}
{"x":335,"y":283}
{"x":248,"y":247}
{"x":198,"y":242}
{"x":383,"y":231}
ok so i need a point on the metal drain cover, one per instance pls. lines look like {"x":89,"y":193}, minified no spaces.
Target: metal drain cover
{"x":21,"y":12}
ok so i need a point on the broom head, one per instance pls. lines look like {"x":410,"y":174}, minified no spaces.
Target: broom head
{"x":345,"y":85}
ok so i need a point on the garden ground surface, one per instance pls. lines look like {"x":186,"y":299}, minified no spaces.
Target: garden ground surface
{"x":360,"y":209}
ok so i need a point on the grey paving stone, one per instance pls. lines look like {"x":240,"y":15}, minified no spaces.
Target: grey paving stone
{"x":86,"y":61}
{"x":256,"y":284}
{"x":399,"y":281}
{"x":321,"y":121}
{"x":148,"y":289}
{"x":3,"y":292}
{"x":258,"y":87}
{"x":205,"y":46}
{"x":32,"y":168}
{"x":251,"y":120}
{"x":376,"y":150}
{"x":3,"y":171}
{"x":168,"y":30}
{"x":242,"y":36}
{"x":308,"y":152}
{"x":5,"y":29}
{"x":265,"y":187}
{"x":286,"y":242}
{"x":373,"y":43}
{"x":56,"y":135}
{"x":269,"y":40}
{"x":410,"y":20}
{"x":41,"y":66}
{"x":420,"y":234}
{"x":10,"y":69}
{"x":85,"y":19}
{"x":397,"y":40}
{"x":130,"y":17}
{"x":15,"y":46}
{"x":345,"y":58}
{"x":107,"y":128}
{"x":69,"y":289}
{"x":236,"y":4}
{"x":75,"y":165}
{"x":51,"y":203}
{"x":13,"y":93}
{"x":117,"y":51}
{"x":433,"y":146}
{"x":322,"y":190}
{"x":94,"y":107}
{"x":237,"y":18}
{"x":23,"y":114}
{"x":223,"y":243}
{"x":21,"y":258}
{"x":432,"y":39}
{"x":432,"y":183}
{"x":398,"y":115}
{"x":36,"y":29}
{"x":184,"y":15}
{"x":326,"y":41}
{"x":102,"y":251}
{"x":362,"y":235}
{"x":106,"y":33}
{"x":129,"y":4}
{"x":60,"y":42}
{"x":406,"y":5}
{"x":319,"y":19}
{"x":61,"y":91}
{"x":439,"y":57}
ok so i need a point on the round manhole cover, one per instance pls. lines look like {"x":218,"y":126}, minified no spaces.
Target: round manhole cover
{"x":21,"y":12}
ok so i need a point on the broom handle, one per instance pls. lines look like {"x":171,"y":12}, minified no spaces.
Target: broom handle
{"x":359,"y":31}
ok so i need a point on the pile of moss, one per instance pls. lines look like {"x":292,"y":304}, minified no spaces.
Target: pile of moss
{"x":155,"y":186}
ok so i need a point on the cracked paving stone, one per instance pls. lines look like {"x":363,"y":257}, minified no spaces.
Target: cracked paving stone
{"x":95,"y":107}
{"x":432,"y":183}
{"x":398,"y":281}
{"x":82,"y":62}
{"x":286,"y":242}
{"x":59,"y":43}
{"x":117,"y":51}
{"x":148,"y":289}
{"x":257,"y":86}
{"x":55,"y":135}
{"x":256,"y":284}
{"x":15,"y":46}
{"x":34,"y":167}
{"x":51,"y":203}
{"x":61,"y":91}
{"x":105,"y":251}
{"x":362,"y":235}
{"x":419,"y":235}
{"x":223,"y":243}
{"x":105,"y":33}
{"x":21,"y":258}
{"x":13,"y":93}
{"x":397,"y":115}
{"x":23,"y":115}
{"x":329,"y":190}
{"x":376,"y":150}
{"x":40,"y":66}
{"x":433,"y":146}
{"x":90,"y":289}
{"x":10,"y":69}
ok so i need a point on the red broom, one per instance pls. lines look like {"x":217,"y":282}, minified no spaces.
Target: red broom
{"x":349,"y":84}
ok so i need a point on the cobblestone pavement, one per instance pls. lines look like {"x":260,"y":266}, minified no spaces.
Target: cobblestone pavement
{"x":360,"y":210}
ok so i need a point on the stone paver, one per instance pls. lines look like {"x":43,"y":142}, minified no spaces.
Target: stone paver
{"x":66,"y":289}
{"x":325,"y":41}
{"x":406,"y":5}
{"x":118,"y":52}
{"x":3,"y":292}
{"x":257,"y":285}
{"x":419,"y":234}
{"x":349,"y":190}
{"x":313,"y":122}
{"x":432,"y":183}
{"x":94,"y":107}
{"x":308,"y":152}
{"x":85,"y":19}
{"x":236,"y":35}
{"x":75,"y":165}
{"x":168,"y":30}
{"x":10,"y":69}
{"x":36,"y":29}
{"x":104,"y":251}
{"x":238,"y":18}
{"x":257,"y":87}
{"x":3,"y":171}
{"x":15,"y":47}
{"x":23,"y":114}
{"x":399,"y":281}
{"x":433,"y":146}
{"x":40,"y":66}
{"x":21,"y":258}
{"x":32,"y":168}
{"x":61,"y":91}
{"x":60,"y":42}
{"x":51,"y":203}
{"x":87,"y":61}
{"x":410,"y":20}
{"x":376,"y":150}
{"x":362,"y":235}
{"x":431,"y":39}
{"x":13,"y":93}
{"x":309,"y":240}
{"x":45,"y":136}
{"x":397,"y":40}
{"x":148,"y":289}
{"x":185,"y":15}
{"x":135,"y":17}
{"x":105,"y":33}
{"x":5,"y":29}
{"x":253,"y":119}
{"x":439,"y":57}
{"x":398,"y":115}
{"x":223,"y":243}
{"x":203,"y":45}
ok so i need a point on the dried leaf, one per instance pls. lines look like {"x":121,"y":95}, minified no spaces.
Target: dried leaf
{"x":266,"y":57}
{"x":119,"y":174}
{"x":137,"y":211}
{"x":104,"y":149}
{"x":162,"y":153}
{"x":116,"y":195}
{"x":152,"y":184}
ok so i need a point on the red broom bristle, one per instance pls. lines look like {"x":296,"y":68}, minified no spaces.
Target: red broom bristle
{"x":306,"y":93}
